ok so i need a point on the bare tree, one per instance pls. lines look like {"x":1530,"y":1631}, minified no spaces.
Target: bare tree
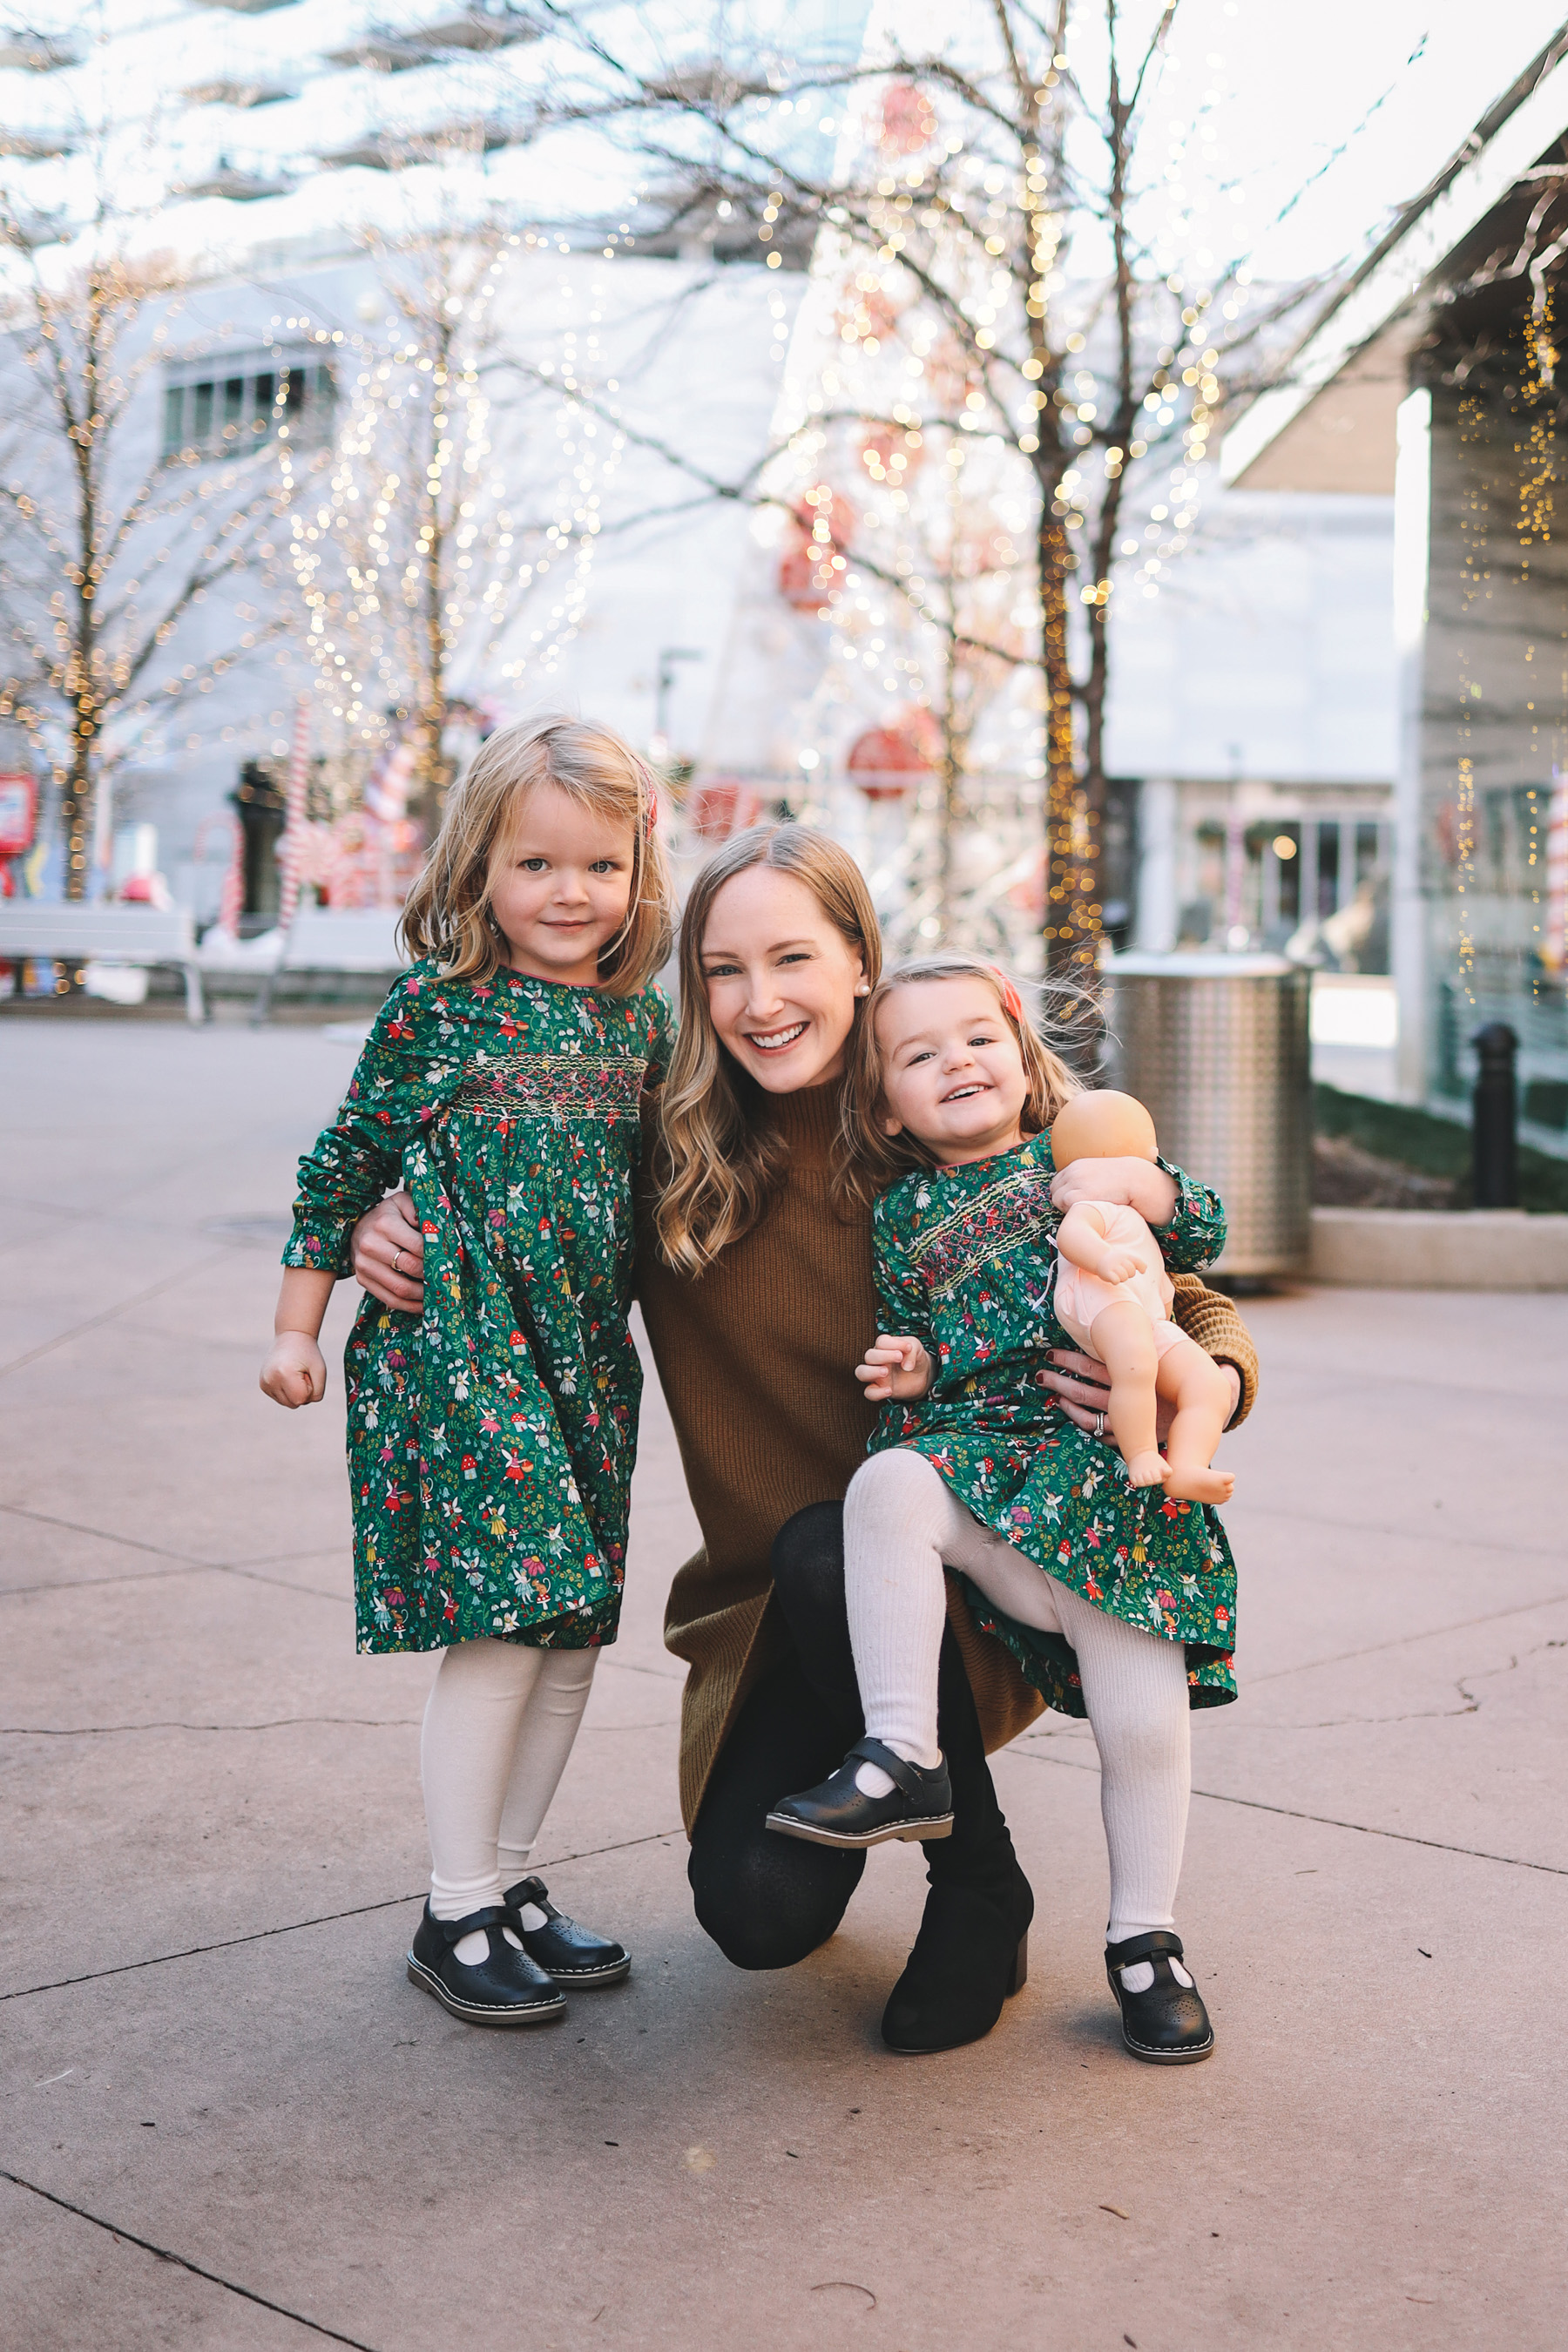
{"x":110,"y":548}
{"x":991,"y":187}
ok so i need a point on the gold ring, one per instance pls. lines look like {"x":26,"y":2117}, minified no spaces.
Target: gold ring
{"x":396,"y":1257}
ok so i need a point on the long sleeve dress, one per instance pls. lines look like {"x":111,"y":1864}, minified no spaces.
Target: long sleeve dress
{"x":491,"y":1439}
{"x":965,"y":1264}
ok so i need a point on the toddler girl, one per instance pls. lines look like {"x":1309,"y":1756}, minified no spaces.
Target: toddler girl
{"x":1118,"y":1601}
{"x":491,"y":1438}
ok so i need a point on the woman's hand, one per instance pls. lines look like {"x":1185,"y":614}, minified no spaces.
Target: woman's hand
{"x":894,"y":1368}
{"x":1128,"y":1183}
{"x":295,"y":1373}
{"x":388,"y":1252}
{"x":1083,"y":1386}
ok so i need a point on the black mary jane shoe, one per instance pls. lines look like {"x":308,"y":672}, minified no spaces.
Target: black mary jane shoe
{"x":1168,"y":2024}
{"x":506,"y":1987}
{"x":972,"y":1952}
{"x":574,"y":1956}
{"x":918,"y":1805}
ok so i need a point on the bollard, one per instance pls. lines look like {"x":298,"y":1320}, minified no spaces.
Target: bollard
{"x":1494,"y":1120}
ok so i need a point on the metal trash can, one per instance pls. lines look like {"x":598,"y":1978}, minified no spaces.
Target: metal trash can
{"x":1217,"y":1046}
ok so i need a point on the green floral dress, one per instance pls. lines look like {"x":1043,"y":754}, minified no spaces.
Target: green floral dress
{"x":491,"y":1440}
{"x":965,"y":1264}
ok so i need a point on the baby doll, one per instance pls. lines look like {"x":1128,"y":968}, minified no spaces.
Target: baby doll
{"x":1113,"y":1300}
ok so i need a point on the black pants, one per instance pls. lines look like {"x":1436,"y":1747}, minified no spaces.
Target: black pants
{"x":768,"y":1900}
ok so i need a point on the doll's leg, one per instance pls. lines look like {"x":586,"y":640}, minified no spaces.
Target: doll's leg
{"x":1195,"y":1385}
{"x":1124,"y":1339}
{"x":550,"y":1722}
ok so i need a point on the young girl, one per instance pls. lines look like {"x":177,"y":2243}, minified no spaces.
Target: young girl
{"x":491,"y":1439}
{"x":1117,"y":1600}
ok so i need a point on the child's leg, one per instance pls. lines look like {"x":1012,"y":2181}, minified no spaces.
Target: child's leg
{"x":1135,"y":1689}
{"x":1124,"y":1339}
{"x":1201,"y":1395}
{"x":900,"y":1520}
{"x":554,"y":1711}
{"x":471,"y":1723}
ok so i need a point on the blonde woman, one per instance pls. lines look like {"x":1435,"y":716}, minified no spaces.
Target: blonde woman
{"x":491,"y":1436}
{"x":754,"y":1273}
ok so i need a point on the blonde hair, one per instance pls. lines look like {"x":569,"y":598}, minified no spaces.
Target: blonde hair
{"x":886,"y":1157}
{"x":718,"y":1167}
{"x":448,"y":916}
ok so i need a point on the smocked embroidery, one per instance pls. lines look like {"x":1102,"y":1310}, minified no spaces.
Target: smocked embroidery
{"x":563,"y":1088}
{"x":995,"y":1220}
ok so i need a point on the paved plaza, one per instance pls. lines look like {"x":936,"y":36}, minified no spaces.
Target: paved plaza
{"x":230,"y":2121}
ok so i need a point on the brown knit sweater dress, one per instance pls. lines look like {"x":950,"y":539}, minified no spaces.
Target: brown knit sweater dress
{"x":757,"y":1358}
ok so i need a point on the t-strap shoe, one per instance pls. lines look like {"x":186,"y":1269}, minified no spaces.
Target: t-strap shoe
{"x":506,"y":1987}
{"x":918,"y":1805}
{"x":574,"y":1956}
{"x":1166,"y":2023}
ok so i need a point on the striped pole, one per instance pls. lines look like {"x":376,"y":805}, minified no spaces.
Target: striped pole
{"x":293,"y":845}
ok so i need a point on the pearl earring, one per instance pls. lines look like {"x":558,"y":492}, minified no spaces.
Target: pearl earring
{"x":863,"y":988}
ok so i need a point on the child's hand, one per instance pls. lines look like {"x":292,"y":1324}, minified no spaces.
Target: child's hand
{"x":894,"y":1368}
{"x":295,"y":1373}
{"x":1127,"y":1183}
{"x":1120,"y":1265}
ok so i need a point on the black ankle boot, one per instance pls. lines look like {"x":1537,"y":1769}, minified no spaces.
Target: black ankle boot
{"x":972,"y":1952}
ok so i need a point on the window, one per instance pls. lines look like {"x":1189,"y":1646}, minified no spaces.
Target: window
{"x":212,"y":414}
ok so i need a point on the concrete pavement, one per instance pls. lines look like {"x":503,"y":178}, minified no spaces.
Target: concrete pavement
{"x":228,"y":2120}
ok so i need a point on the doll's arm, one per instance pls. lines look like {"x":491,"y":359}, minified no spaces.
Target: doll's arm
{"x":1081,"y":1236}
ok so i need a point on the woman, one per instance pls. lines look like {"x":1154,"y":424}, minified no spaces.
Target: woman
{"x":754,"y":1274}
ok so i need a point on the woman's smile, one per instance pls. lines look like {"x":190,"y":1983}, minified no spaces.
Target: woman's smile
{"x":775,"y":1041}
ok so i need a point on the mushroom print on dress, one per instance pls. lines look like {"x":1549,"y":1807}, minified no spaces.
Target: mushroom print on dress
{"x":491,"y":1439}
{"x":965,"y":1265}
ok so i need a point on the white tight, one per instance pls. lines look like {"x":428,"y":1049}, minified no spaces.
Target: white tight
{"x":498,"y":1727}
{"x":901,"y":1522}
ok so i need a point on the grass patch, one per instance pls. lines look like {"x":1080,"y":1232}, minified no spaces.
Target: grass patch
{"x":1433,"y":1147}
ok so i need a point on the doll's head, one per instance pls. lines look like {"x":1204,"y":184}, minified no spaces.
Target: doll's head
{"x":1100,"y":1125}
{"x":544,"y":793}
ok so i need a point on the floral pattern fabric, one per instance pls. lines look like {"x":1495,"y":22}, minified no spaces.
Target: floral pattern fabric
{"x":966,"y":1264}
{"x":491,"y":1439}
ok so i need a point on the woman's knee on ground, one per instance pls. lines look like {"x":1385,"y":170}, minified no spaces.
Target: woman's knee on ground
{"x":767,"y":1910}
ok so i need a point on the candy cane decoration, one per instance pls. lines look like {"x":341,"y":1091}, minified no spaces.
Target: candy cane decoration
{"x":293,"y":843}
{"x":231,"y":904}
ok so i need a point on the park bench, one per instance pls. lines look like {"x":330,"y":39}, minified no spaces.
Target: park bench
{"x":72,"y":932}
{"x":352,"y":940}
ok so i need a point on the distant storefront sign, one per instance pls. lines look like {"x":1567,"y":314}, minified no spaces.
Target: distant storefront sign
{"x":18,"y":813}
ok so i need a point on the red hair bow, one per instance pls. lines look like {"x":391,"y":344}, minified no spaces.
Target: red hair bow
{"x":1012,"y":1003}
{"x":652,"y":817}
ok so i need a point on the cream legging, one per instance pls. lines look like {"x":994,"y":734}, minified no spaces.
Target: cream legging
{"x":498,"y":1727}
{"x":901,"y":1521}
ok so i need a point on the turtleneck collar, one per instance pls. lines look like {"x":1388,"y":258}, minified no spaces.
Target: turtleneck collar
{"x":808,"y":1122}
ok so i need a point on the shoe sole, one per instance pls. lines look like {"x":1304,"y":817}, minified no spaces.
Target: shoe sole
{"x":1193,"y":2057}
{"x":475,"y":2014}
{"x":592,"y":1977}
{"x":913,"y":1833}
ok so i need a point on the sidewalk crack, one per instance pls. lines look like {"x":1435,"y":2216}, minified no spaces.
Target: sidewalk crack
{"x":118,"y":2230}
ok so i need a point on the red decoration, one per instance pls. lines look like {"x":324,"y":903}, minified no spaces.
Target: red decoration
{"x":888,"y":761}
{"x":908,"y":118}
{"x":813,"y":561}
{"x":722,"y":805}
{"x":18,"y":813}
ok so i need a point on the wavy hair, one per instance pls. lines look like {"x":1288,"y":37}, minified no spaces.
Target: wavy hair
{"x":718,"y":1165}
{"x":448,"y":915}
{"x":1051,"y":1082}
